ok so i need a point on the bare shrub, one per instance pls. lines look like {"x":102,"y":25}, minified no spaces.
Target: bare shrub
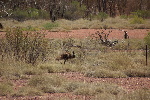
{"x":25,"y":46}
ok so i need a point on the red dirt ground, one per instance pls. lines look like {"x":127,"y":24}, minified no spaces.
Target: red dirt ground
{"x":85,"y":33}
{"x":130,"y":84}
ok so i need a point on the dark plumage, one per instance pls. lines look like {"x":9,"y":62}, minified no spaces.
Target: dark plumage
{"x":66,"y":56}
{"x":126,"y":36}
{"x":1,"y":26}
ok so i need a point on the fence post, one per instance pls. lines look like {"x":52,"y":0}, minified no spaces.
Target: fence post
{"x":146,"y":56}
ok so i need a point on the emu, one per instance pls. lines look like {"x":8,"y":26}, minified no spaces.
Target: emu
{"x":66,"y":56}
{"x":126,"y":36}
{"x":1,"y":26}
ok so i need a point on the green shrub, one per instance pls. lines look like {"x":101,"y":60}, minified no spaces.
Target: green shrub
{"x":147,"y":41}
{"x":101,"y":16}
{"x":30,"y":13}
{"x":49,"y":26}
{"x":142,"y":13}
{"x":33,"y":13}
{"x":25,"y":46}
{"x":43,"y":14}
{"x":20,"y":15}
{"x":75,"y":11}
{"x":124,"y":17}
{"x":137,"y":20}
{"x":30,"y":28}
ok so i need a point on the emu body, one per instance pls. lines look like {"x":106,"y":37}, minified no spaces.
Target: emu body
{"x":1,"y":26}
{"x":66,"y":56}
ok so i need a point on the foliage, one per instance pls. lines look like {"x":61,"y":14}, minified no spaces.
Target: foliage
{"x":124,"y":16}
{"x":75,"y":11}
{"x":142,"y":13}
{"x":147,"y":41}
{"x":43,"y":14}
{"x":28,"y":47}
{"x":137,"y":20}
{"x":20,"y":15}
{"x":49,"y":26}
{"x":102,"y":16}
{"x":30,"y":13}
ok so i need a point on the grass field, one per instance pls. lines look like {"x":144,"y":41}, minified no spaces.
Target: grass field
{"x":21,"y":77}
{"x":66,"y":25}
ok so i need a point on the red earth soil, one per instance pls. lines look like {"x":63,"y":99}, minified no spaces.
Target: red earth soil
{"x":85,"y":33}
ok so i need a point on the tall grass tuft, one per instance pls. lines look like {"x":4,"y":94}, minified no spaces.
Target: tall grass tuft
{"x":5,"y":89}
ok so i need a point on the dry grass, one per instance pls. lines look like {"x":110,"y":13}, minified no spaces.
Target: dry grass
{"x":93,"y":60}
{"x":66,"y":25}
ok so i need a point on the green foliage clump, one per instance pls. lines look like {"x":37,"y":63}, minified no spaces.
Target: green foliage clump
{"x":75,"y":11}
{"x":137,"y":20}
{"x":101,"y":16}
{"x":20,"y":15}
{"x":124,"y":16}
{"x":30,"y":28}
{"x":147,"y":40}
{"x":49,"y":26}
{"x":30,"y":13}
{"x":28,"y":46}
{"x":142,"y":13}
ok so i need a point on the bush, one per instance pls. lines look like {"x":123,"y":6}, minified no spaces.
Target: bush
{"x":124,"y":17}
{"x":137,"y":20}
{"x":142,"y":13}
{"x":101,"y":16}
{"x":49,"y":26}
{"x":30,"y":13}
{"x":20,"y":15}
{"x":25,"y":46}
{"x":147,"y":41}
{"x":43,"y":14}
{"x":75,"y":11}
